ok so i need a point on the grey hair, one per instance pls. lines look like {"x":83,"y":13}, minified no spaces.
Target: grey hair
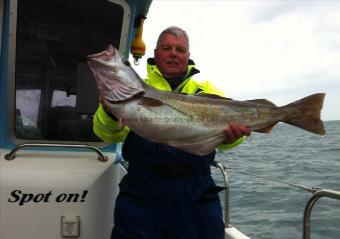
{"x":173,"y":30}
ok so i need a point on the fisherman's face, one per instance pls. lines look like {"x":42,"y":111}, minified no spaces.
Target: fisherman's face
{"x":172,"y":55}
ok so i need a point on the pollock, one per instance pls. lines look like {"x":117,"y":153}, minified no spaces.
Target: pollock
{"x":193,"y":123}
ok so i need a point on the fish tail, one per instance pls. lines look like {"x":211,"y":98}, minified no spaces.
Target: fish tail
{"x":309,"y":113}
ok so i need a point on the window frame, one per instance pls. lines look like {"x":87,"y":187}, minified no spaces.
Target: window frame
{"x":11,"y":69}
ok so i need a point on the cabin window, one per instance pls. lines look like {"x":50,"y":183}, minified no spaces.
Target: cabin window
{"x":55,"y":92}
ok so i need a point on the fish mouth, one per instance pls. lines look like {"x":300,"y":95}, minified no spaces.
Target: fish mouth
{"x":104,"y":58}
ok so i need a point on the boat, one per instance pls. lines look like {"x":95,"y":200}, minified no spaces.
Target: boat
{"x":57,"y":179}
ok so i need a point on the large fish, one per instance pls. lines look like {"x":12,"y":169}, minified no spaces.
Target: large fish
{"x":193,"y":123}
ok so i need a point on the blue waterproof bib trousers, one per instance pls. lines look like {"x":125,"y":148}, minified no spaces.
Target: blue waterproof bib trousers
{"x":167,"y":193}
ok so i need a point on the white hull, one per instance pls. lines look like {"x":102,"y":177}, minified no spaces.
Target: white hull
{"x":54,"y":185}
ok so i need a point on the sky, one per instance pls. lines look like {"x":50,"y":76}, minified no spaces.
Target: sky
{"x":278,"y":50}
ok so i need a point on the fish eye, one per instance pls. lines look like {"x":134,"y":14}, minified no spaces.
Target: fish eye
{"x":126,"y":62}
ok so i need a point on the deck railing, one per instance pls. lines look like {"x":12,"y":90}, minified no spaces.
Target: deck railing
{"x":310,"y":204}
{"x":317,"y":194}
{"x":224,"y":172}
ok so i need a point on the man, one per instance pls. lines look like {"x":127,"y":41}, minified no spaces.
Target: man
{"x":167,"y":193}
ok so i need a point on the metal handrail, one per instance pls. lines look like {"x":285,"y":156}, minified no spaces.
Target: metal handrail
{"x":11,"y":155}
{"x":317,"y":194}
{"x":224,"y":172}
{"x":310,"y":204}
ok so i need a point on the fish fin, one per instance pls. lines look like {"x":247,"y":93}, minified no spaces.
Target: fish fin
{"x":151,"y":102}
{"x":309,"y":116}
{"x":122,"y":93}
{"x":200,"y":145}
{"x":212,"y":96}
{"x":266,"y":129}
{"x":262,"y":102}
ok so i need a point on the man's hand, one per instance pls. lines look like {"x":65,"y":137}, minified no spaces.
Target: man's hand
{"x":235,"y":131}
{"x":105,"y":107}
{"x":102,"y":102}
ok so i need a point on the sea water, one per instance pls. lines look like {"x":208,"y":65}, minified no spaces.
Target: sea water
{"x":263,"y":208}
